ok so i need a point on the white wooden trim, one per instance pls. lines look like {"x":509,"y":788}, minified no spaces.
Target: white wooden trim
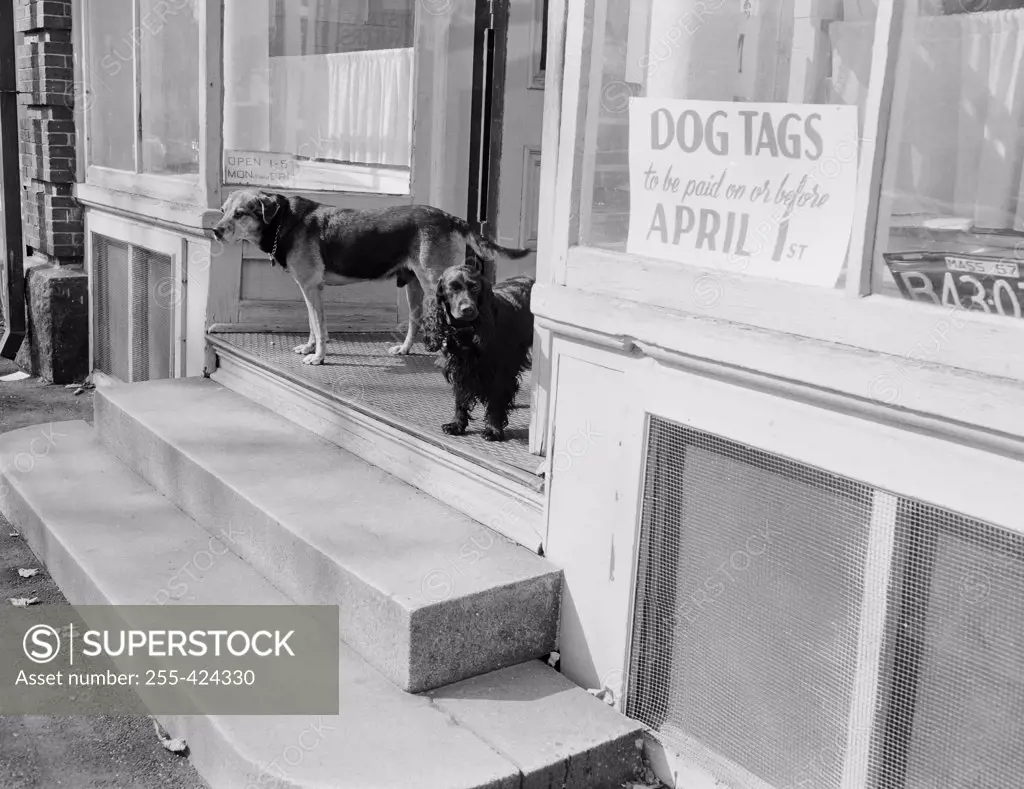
{"x":549,"y":239}
{"x":530,"y":197}
{"x":912,"y":332}
{"x":599,"y":561}
{"x":928,"y":399}
{"x":211,"y":100}
{"x":936,"y":471}
{"x":900,"y":78}
{"x":877,"y":114}
{"x":80,"y":87}
{"x":338,"y":199}
{"x":136,"y":233}
{"x":225,"y":285}
{"x":864,"y":701}
{"x":680,"y":771}
{"x":559,"y":232}
{"x":90,"y":270}
{"x":137,"y":82}
{"x":144,"y":236}
{"x":185,"y":189}
{"x":592,"y":110}
{"x":188,"y":219}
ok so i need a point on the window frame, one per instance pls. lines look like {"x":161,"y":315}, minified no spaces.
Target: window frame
{"x":193,"y":189}
{"x":853,"y":316}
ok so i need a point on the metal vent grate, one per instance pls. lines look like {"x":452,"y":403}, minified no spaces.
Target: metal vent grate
{"x":154,"y":316}
{"x":133,"y":311}
{"x":744,"y":651}
{"x":112,"y":313}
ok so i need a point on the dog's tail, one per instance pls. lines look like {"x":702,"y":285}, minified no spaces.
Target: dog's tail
{"x":485,"y":247}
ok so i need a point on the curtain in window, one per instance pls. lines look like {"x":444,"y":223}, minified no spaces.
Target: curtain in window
{"x":346,"y":107}
{"x":960,"y":131}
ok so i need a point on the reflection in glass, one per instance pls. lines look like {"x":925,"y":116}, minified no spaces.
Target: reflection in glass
{"x":951,"y":219}
{"x":726,"y":50}
{"x":319,"y":94}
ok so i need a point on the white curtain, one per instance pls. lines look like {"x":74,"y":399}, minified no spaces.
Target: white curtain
{"x":961,"y":128}
{"x":350,"y":107}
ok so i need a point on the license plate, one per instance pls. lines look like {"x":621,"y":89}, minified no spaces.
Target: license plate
{"x":972,"y":282}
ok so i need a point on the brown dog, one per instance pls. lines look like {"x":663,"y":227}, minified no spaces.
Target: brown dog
{"x":321,"y":245}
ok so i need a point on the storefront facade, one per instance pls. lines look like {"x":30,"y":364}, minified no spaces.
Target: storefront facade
{"x":779,"y":460}
{"x":783,"y":475}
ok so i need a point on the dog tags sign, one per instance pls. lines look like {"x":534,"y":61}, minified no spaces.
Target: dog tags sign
{"x":755,"y":188}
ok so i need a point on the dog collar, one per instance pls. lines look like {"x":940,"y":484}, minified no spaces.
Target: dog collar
{"x":273,"y":249}
{"x":278,"y":235}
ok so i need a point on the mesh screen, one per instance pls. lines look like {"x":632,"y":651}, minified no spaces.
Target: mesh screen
{"x":955,"y":705}
{"x":153,"y":301}
{"x":751,"y":579}
{"x":112,"y":308}
{"x":745,"y":642}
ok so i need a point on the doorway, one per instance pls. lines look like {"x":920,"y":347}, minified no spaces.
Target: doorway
{"x":507,"y":113}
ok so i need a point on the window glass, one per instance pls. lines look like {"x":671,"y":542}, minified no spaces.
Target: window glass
{"x":109,"y":102}
{"x":951,"y":216}
{"x":319,"y":94}
{"x":168,"y":33}
{"x":726,"y":133}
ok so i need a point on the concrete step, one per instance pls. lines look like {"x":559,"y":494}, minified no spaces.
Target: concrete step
{"x":427,"y":595}
{"x":106,"y":537}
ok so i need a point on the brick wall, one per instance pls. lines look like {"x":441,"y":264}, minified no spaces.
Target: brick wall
{"x":52,"y":217}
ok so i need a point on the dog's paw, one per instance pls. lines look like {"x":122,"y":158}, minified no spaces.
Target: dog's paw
{"x":400,"y":350}
{"x":454,"y":429}
{"x":304,"y":348}
{"x":491,"y":433}
{"x":313,"y":359}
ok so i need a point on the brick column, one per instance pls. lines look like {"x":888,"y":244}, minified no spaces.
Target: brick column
{"x":52,"y":218}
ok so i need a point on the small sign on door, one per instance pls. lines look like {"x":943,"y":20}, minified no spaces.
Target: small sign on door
{"x":254,"y":168}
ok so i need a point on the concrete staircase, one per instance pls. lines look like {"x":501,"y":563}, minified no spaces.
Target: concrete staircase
{"x":188,"y":493}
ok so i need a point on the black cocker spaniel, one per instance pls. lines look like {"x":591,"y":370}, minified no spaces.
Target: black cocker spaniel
{"x":485,"y":335}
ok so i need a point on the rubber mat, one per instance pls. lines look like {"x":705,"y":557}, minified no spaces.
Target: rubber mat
{"x":410,"y":389}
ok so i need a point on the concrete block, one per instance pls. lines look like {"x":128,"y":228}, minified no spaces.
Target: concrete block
{"x":57,"y":346}
{"x":107,"y":538}
{"x":427,"y":595}
{"x":555,"y":732}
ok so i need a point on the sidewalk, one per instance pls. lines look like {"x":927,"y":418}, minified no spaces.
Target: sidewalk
{"x":38,"y":752}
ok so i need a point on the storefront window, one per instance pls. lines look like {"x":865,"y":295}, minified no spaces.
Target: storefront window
{"x":169,"y":85}
{"x":319,"y":94}
{"x":951,"y":216}
{"x":726,"y":133}
{"x":110,"y":96}
{"x":164,"y":36}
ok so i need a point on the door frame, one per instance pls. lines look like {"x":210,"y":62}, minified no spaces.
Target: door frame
{"x":490,"y":52}
{"x":442,"y":43}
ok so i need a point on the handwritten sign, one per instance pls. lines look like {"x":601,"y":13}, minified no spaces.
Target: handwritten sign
{"x":254,"y":168}
{"x":755,"y":188}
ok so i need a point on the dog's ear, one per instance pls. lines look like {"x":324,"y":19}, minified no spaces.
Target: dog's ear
{"x":474,"y":264}
{"x":268,"y":206}
{"x":435,"y":320}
